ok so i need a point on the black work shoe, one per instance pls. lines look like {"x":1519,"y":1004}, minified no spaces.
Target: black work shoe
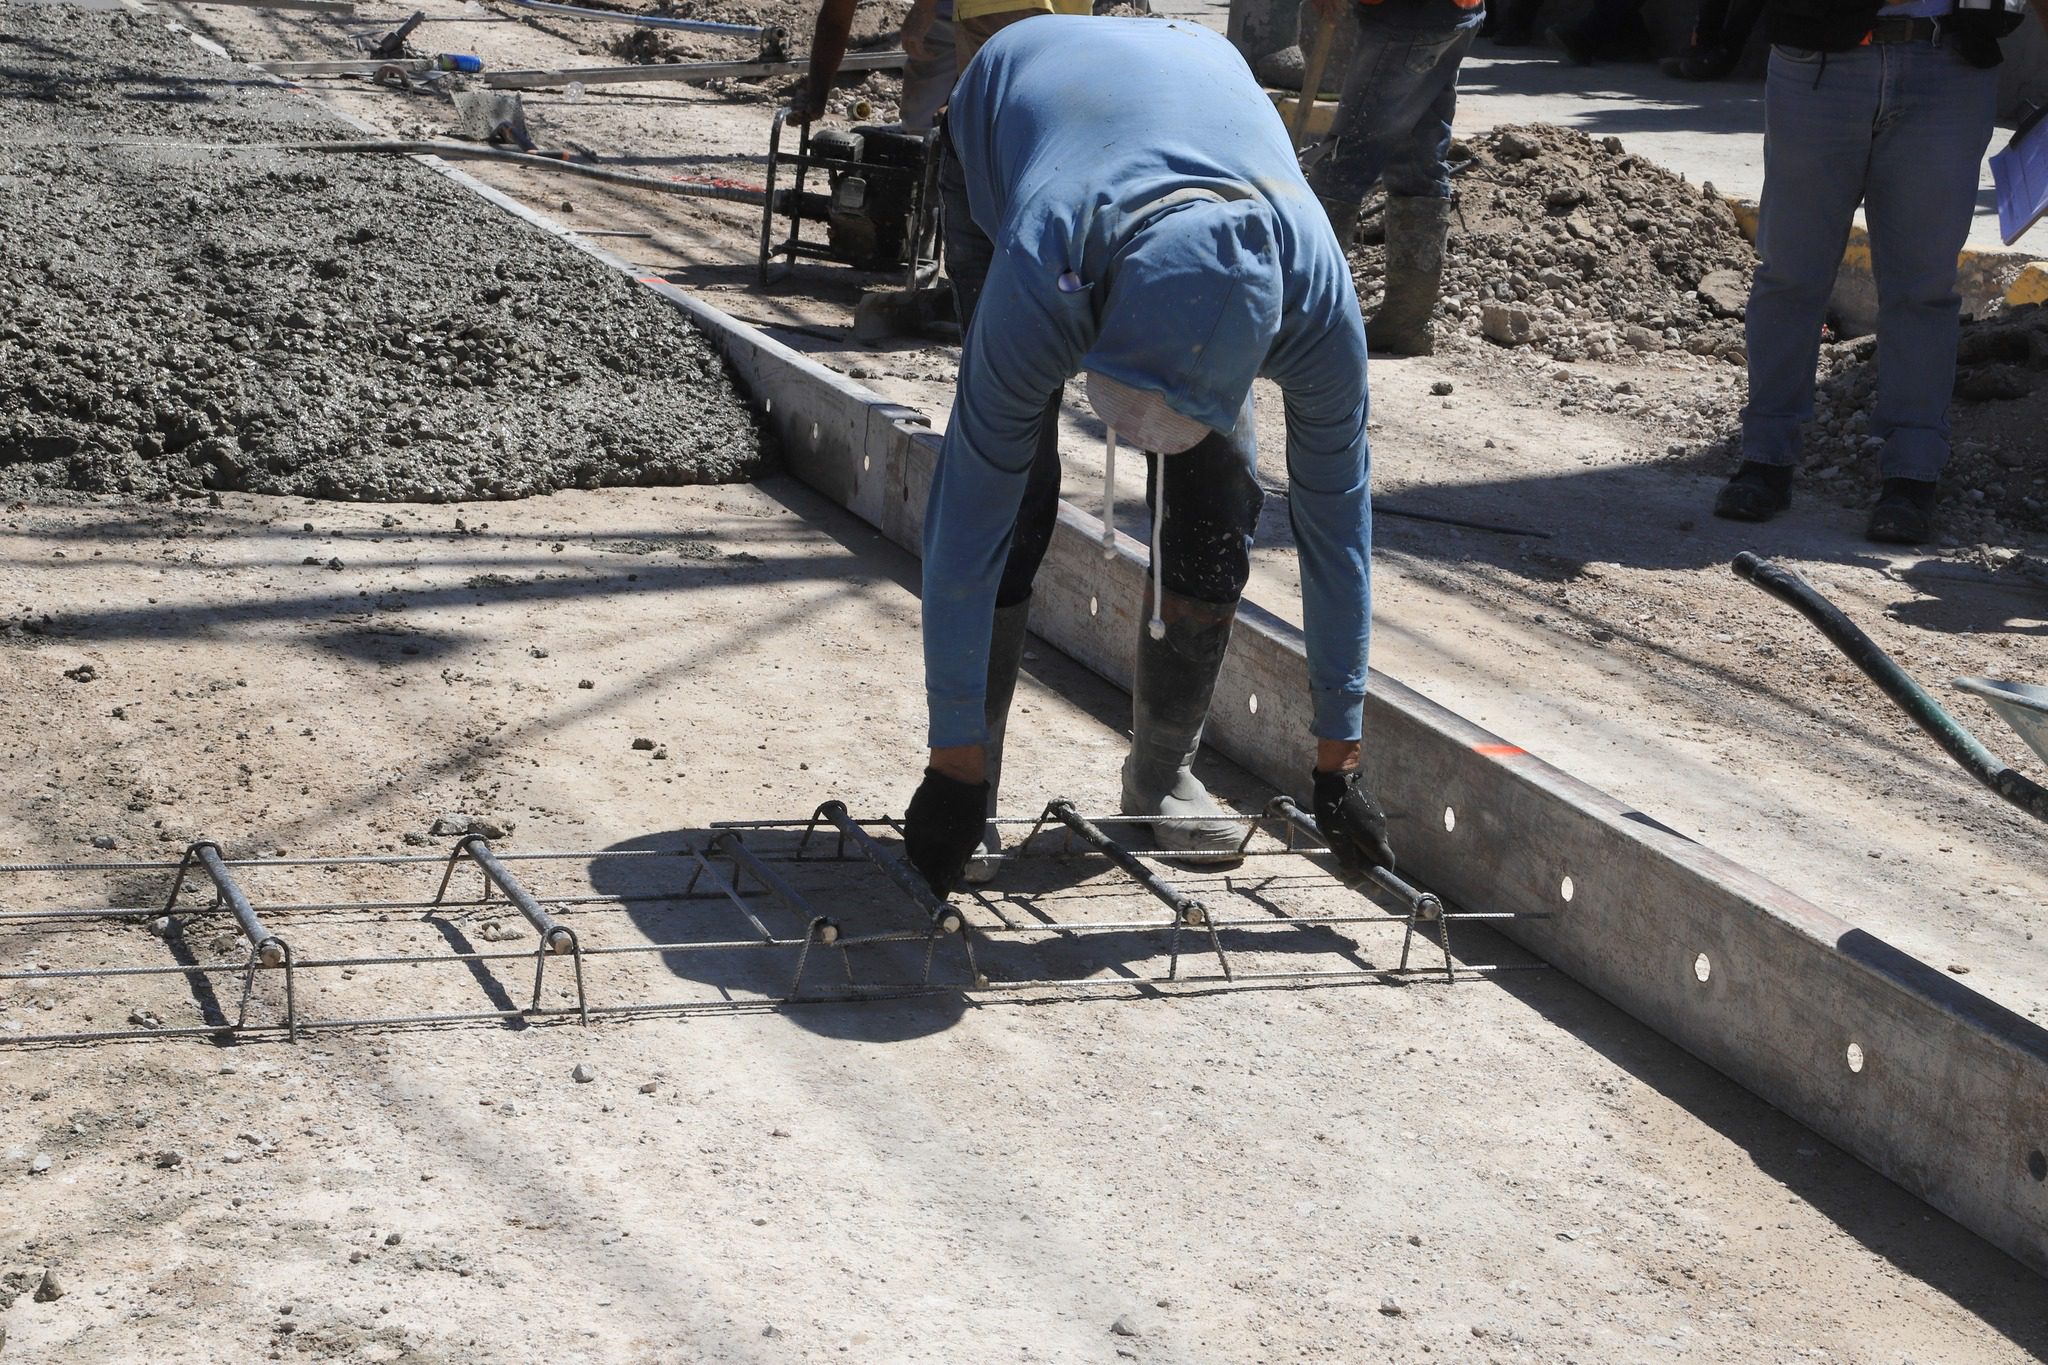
{"x":1904,"y":514}
{"x":1701,"y":64}
{"x":1757,"y":492}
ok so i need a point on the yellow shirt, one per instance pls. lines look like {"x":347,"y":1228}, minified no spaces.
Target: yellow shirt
{"x":976,"y":9}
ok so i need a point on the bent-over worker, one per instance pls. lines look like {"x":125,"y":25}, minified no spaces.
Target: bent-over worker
{"x":1150,"y":226}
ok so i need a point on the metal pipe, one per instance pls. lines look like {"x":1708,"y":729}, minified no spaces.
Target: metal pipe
{"x":353,"y":66}
{"x":757,"y":32}
{"x":268,"y":948}
{"x":1957,"y":742}
{"x":734,"y":847}
{"x":943,"y":916}
{"x":1423,"y":905}
{"x":1186,"y":908}
{"x":549,"y":78}
{"x":309,"y":6}
{"x":462,"y":151}
{"x":554,"y":937}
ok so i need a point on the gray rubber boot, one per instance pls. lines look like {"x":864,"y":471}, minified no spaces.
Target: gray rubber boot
{"x":1343,"y":220}
{"x":1175,"y":678}
{"x":1416,"y":229}
{"x":1005,"y":659}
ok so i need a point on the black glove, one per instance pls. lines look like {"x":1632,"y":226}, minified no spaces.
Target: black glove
{"x":943,"y":827}
{"x":1352,"y":823}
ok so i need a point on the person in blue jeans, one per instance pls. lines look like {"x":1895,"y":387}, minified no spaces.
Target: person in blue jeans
{"x":1394,"y":125}
{"x":1891,"y":111}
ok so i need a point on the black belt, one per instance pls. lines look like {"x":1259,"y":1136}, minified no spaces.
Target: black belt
{"x":1901,"y":30}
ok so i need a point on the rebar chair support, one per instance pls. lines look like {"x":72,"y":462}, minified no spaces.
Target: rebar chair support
{"x":266,"y":950}
{"x":556,"y":939}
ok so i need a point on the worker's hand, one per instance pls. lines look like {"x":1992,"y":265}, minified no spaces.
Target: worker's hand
{"x":1352,"y":823}
{"x":807,"y":104}
{"x":943,"y":827}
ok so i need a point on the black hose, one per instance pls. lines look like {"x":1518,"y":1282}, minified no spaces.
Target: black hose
{"x":1978,"y":761}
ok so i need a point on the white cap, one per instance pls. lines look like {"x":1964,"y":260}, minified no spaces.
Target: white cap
{"x":1142,"y":418}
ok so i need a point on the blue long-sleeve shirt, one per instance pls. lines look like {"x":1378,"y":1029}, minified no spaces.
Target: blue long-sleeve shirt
{"x":1139,"y":160}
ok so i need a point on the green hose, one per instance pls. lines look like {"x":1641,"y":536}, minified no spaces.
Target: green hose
{"x":1912,"y":698}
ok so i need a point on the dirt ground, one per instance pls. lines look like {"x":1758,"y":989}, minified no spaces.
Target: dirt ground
{"x":1500,"y":1170}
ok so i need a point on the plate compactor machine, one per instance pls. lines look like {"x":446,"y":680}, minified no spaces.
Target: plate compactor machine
{"x":874,"y":190}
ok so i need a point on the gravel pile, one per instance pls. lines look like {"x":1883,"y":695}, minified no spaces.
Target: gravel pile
{"x":1573,"y":246}
{"x":300,"y":323}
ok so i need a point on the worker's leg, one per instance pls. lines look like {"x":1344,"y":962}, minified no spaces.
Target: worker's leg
{"x":1612,"y":29}
{"x":968,"y":249}
{"x":928,"y":79}
{"x":1930,"y":140}
{"x":1418,"y":219}
{"x":1398,"y":75}
{"x":1031,"y":535}
{"x":1735,"y":26}
{"x":1513,"y":22}
{"x":1817,"y":121}
{"x":1212,"y":507}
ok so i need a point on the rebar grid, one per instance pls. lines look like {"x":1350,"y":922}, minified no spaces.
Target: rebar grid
{"x":746,"y":874}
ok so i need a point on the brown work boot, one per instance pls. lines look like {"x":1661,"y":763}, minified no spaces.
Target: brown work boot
{"x":1416,"y":231}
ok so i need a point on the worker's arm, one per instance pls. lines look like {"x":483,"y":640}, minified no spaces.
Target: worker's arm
{"x":2040,"y":12}
{"x":1330,"y":504}
{"x":1024,"y":343}
{"x":916,"y":24}
{"x":828,"y":49}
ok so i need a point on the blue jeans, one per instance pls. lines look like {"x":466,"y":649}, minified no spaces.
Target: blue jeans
{"x":1394,"y":117}
{"x":1901,"y":129}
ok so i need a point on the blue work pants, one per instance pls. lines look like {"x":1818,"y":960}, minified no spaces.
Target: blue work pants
{"x":1901,"y":129}
{"x":1394,"y":116}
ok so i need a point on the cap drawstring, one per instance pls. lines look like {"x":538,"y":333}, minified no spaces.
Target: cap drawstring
{"x":1157,"y":625}
{"x":1109,"y":497}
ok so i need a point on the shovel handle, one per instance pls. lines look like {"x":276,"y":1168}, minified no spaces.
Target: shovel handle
{"x":1312,"y":77}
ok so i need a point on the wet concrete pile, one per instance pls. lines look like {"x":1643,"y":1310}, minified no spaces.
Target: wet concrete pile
{"x":1573,"y":246}
{"x":182,"y":314}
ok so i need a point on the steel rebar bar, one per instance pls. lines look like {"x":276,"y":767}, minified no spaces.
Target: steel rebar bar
{"x":556,"y":938}
{"x":757,"y":32}
{"x":1424,"y":905}
{"x":268,"y":948}
{"x":688,"y":73}
{"x":944,"y":917}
